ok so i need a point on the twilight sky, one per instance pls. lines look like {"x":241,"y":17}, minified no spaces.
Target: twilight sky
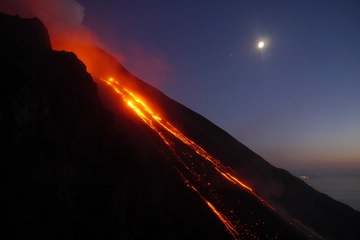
{"x":294,"y":102}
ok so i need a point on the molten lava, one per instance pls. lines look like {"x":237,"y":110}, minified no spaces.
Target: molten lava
{"x":205,"y":175}
{"x":213,"y":199}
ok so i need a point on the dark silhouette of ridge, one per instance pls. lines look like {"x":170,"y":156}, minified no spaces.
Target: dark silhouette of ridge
{"x":76,"y":162}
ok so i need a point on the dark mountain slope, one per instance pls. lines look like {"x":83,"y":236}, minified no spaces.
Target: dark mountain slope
{"x":71,"y":168}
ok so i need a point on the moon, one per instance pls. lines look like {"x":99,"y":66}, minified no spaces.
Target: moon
{"x":261,"y":44}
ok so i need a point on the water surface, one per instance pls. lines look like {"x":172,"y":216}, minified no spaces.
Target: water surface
{"x":343,"y":189}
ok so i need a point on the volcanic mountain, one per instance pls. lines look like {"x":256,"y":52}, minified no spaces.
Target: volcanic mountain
{"x":104,"y":155}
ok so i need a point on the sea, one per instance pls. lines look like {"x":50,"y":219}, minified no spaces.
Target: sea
{"x":343,"y":189}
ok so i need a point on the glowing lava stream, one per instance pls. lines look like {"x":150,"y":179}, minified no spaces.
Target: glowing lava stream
{"x":230,"y":227}
{"x":216,"y":163}
{"x":228,"y":218}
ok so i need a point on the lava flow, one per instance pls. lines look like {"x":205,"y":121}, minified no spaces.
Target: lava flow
{"x":196,"y":173}
{"x":213,"y":198}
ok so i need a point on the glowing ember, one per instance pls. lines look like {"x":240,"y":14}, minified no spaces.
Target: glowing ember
{"x":229,"y":227}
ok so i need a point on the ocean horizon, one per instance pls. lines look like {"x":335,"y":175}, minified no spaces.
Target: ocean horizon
{"x":343,"y":189}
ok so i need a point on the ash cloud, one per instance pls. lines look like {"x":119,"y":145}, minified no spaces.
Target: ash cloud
{"x":64,"y":21}
{"x":63,"y":18}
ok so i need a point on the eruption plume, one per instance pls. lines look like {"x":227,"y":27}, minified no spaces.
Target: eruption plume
{"x":63,"y":18}
{"x":64,"y":21}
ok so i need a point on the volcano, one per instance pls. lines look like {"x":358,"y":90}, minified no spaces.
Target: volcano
{"x":89,"y":150}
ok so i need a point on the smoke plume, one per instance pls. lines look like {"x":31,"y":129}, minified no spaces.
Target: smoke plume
{"x":63,"y":18}
{"x":64,"y":21}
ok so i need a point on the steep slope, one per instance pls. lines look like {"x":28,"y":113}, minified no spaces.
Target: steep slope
{"x":74,"y":169}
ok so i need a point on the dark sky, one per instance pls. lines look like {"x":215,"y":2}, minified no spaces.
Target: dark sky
{"x":295,"y":102}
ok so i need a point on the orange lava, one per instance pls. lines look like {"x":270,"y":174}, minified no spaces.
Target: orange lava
{"x":227,"y":216}
{"x":171,"y":129}
{"x":229,"y":227}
